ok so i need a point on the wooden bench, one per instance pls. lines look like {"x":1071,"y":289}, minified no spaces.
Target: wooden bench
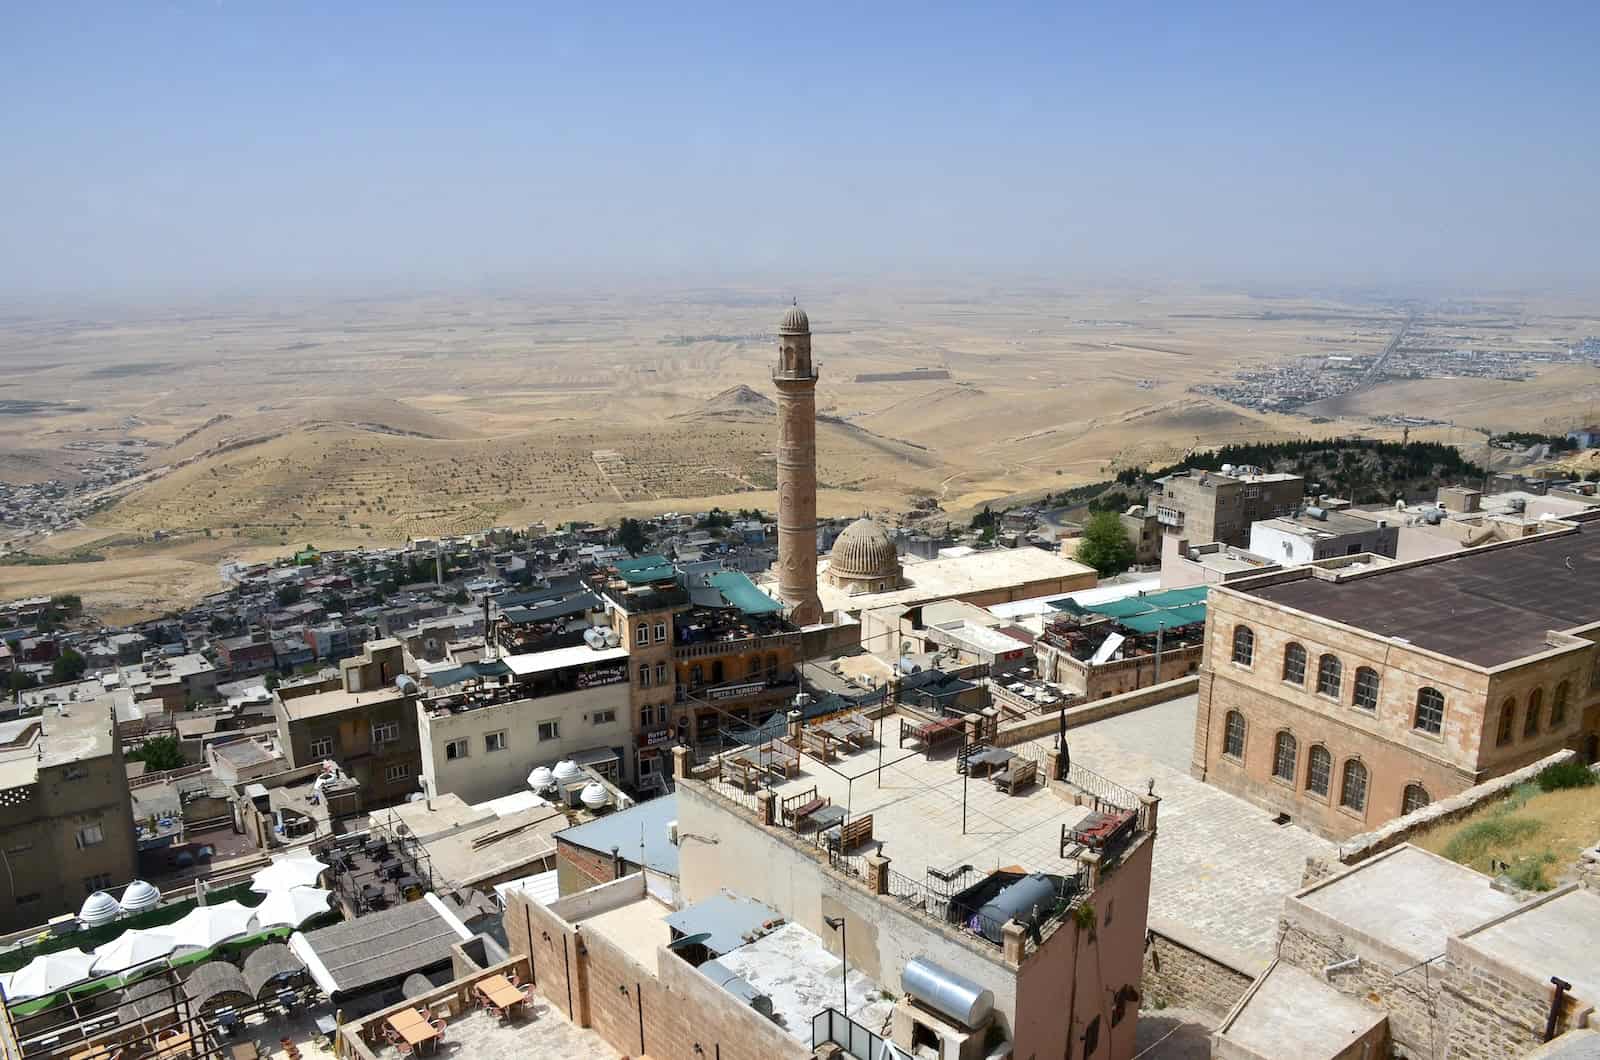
{"x":817,"y":744}
{"x":796,"y":808}
{"x":856,"y":832}
{"x":1019,"y":774}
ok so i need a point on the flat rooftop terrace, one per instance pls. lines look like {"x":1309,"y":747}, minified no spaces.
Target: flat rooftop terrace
{"x":917,"y":811}
{"x":1221,"y":867}
{"x":1520,"y":591}
{"x":1410,"y":900}
{"x":1559,"y":936}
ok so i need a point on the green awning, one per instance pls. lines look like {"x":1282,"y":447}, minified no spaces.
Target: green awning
{"x":737,"y":588}
{"x":641,"y":570}
{"x":459,"y":674}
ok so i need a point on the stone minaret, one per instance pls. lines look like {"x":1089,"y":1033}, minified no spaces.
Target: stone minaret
{"x":796,"y":380}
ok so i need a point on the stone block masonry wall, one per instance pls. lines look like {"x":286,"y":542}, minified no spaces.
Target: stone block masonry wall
{"x":1178,"y":975}
{"x":664,"y":1013}
{"x":1410,"y":997}
{"x":1491,"y":1016}
{"x":1358,"y":848}
{"x":1033,"y":728}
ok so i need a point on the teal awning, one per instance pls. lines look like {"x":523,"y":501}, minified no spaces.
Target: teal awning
{"x":642,"y":570}
{"x":737,"y":588}
{"x":471,"y":671}
{"x":1163,"y":610}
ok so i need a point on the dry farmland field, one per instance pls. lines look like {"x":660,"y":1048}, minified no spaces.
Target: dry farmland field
{"x":271,"y":423}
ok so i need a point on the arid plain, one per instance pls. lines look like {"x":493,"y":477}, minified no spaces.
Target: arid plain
{"x":269,"y":424}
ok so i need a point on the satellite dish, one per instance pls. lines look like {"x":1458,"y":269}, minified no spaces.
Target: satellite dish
{"x":689,"y":940}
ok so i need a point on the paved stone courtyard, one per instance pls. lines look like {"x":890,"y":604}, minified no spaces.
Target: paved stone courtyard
{"x":1222,"y":867}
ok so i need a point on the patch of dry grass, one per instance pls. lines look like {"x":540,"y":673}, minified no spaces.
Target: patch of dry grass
{"x":1538,"y":834}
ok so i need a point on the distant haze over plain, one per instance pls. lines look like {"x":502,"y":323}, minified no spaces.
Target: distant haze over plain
{"x":249,"y":148}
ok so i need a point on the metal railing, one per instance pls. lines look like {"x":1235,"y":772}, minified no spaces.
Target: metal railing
{"x":1100,"y":789}
{"x":831,"y":1025}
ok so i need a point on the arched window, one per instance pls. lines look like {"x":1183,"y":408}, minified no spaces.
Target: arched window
{"x":716,"y":672}
{"x":772,"y":666}
{"x":1244,"y":645}
{"x":1415,"y":798}
{"x":1233,"y":735}
{"x":1285,"y":752}
{"x":644,"y":675}
{"x":1353,"y":786}
{"x":1430,"y":711}
{"x":1330,"y":673}
{"x":1366,"y":691}
{"x":696,"y":676}
{"x":1558,"y":706}
{"x":1294,"y":664}
{"x":1530,"y":721}
{"x":754,"y":669}
{"x":1319,"y":770}
{"x":1508,"y":722}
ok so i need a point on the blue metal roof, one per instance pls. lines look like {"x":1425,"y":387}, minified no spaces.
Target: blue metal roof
{"x":625,"y":829}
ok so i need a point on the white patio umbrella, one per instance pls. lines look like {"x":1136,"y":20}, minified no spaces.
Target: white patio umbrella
{"x":132,"y":949}
{"x":207,"y":925}
{"x":140,"y":897}
{"x":283,"y":873}
{"x":49,"y":972}
{"x":291,"y":907}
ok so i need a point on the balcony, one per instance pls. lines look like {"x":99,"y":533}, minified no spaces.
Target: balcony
{"x":734,"y":643}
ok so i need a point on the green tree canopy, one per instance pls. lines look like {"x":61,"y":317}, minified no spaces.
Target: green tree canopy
{"x":69,"y":666}
{"x":631,"y":536}
{"x":1105,"y":545}
{"x":159,"y":753}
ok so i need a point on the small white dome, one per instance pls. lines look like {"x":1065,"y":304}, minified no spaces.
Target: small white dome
{"x":566,"y":770}
{"x":595,"y":795}
{"x":541,"y":778}
{"x":99,"y":908}
{"x":140,"y":897}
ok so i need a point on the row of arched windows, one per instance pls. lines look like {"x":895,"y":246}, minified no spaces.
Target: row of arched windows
{"x":1428,"y":715}
{"x":1533,"y":719}
{"x":1318,"y":777}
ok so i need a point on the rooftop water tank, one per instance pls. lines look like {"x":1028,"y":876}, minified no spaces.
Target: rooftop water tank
{"x":737,"y":986}
{"x":947,"y":993}
{"x":406,"y":684}
{"x":613,"y":638}
{"x":1028,"y":901}
{"x":567,"y":770}
{"x":99,"y":908}
{"x":541,"y":778}
{"x":595,"y":795}
{"x":140,"y":897}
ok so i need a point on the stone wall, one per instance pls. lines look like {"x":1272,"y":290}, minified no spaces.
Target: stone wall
{"x":1048,"y":725}
{"x":1358,"y":848}
{"x":670,"y":1012}
{"x":1491,"y":1016}
{"x":1411,"y":997}
{"x":1179,"y":974}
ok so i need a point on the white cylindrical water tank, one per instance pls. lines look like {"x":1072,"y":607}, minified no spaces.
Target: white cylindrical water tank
{"x":567,"y":770}
{"x":541,"y":778}
{"x":595,"y":795}
{"x":946,"y":992}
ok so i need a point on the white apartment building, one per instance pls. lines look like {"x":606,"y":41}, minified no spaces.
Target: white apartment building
{"x":485,"y":726}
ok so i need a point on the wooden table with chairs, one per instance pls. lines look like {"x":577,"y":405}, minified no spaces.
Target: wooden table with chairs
{"x":501,"y":994}
{"x":414,"y":1032}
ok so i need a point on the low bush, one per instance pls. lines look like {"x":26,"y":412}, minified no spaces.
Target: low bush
{"x":1478,"y":838}
{"x":1569,"y":774}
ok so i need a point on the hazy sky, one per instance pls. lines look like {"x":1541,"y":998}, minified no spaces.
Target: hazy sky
{"x":268,"y":144}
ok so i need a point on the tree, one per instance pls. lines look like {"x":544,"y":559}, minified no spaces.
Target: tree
{"x":287,"y":594}
{"x":1105,"y":545}
{"x":69,"y":666}
{"x":631,"y":536}
{"x":159,"y":753}
{"x":20,"y":681}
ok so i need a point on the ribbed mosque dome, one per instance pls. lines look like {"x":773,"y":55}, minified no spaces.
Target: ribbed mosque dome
{"x":864,"y":550}
{"x":795,"y":322}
